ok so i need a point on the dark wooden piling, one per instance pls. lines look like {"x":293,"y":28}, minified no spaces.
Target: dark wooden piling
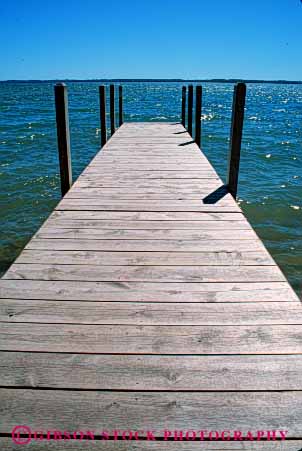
{"x":102,"y":95}
{"x":190,"y":108}
{"x":183,"y":105}
{"x":61,"y":102}
{"x":198,"y":115}
{"x":236,"y":137}
{"x":120,"y":105}
{"x":112,"y":109}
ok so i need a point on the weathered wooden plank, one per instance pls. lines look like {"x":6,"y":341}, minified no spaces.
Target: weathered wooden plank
{"x":78,"y":410}
{"x":146,"y":149}
{"x":165,"y":204}
{"x":145,"y":273}
{"x":169,"y":164}
{"x":150,"y":445}
{"x":126,"y":145}
{"x":133,"y":167}
{"x":149,"y":216}
{"x":143,"y":234}
{"x":61,"y":222}
{"x":169,"y":198}
{"x":140,"y":127}
{"x":193,"y":171}
{"x":126,"y":339}
{"x":133,"y":157}
{"x":173,"y":126}
{"x":159,"y":161}
{"x":169,"y":152}
{"x":201,"y":195}
{"x":133,"y":191}
{"x":166,"y":156}
{"x":159,"y":149}
{"x":136,"y":162}
{"x":147,"y":245}
{"x":129,"y":372}
{"x":124,"y":175}
{"x":152,"y":136}
{"x":166,"y":175}
{"x":101,"y":205}
{"x":152,"y":184}
{"x":147,"y":292}
{"x":116,"y":147}
{"x":146,"y":143}
{"x":142,"y":313}
{"x":154,"y":140}
{"x":145,"y":258}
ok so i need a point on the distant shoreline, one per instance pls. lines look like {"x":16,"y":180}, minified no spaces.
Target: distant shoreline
{"x":157,"y":80}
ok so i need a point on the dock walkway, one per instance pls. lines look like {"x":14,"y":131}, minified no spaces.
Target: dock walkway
{"x":146,"y":302}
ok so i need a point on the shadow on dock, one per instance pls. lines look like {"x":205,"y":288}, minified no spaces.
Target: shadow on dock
{"x":186,"y":143}
{"x":216,"y":195}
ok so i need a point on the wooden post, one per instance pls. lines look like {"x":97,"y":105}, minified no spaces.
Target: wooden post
{"x":61,"y":102}
{"x":120,"y":105}
{"x":183,"y":105}
{"x":198,"y":115}
{"x":235,"y":137}
{"x":102,"y":95}
{"x":190,"y":108}
{"x":112,"y":110}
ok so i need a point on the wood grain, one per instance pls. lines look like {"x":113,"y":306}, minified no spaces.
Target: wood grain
{"x":178,"y":340}
{"x":130,"y":372}
{"x":143,"y":234}
{"x":78,"y":410}
{"x":145,"y":258}
{"x":147,"y":301}
{"x":147,"y":245}
{"x":147,"y":291}
{"x":145,"y":273}
{"x":142,"y":313}
{"x":150,"y":216}
{"x":61,"y":222}
{"x":143,"y":445}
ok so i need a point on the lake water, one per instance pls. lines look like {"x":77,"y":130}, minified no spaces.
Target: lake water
{"x":270,"y":190}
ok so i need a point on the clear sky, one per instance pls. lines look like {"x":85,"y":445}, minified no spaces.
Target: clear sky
{"x":42,"y":39}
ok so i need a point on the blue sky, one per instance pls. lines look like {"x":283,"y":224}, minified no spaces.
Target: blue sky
{"x":151,"y":39}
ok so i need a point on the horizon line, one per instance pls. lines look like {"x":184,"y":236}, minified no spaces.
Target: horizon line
{"x":130,"y":80}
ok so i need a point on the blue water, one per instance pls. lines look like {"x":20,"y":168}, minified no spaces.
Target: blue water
{"x":270,"y":189}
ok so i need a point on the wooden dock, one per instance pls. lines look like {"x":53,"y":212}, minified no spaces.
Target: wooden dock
{"x":146,"y":302}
